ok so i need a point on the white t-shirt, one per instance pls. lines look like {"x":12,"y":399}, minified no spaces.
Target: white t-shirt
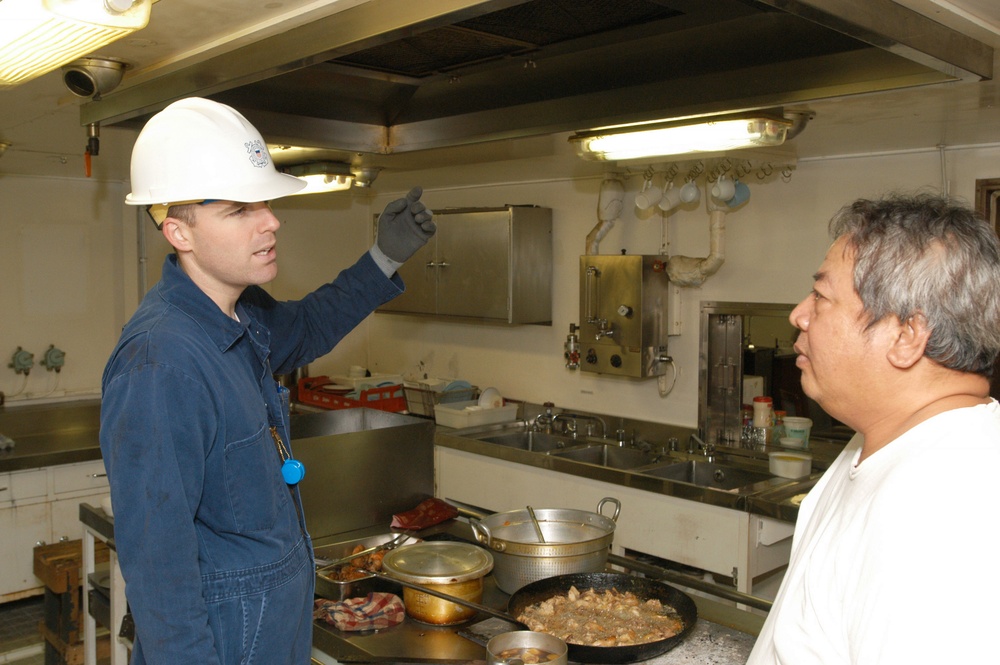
{"x":897,"y":561}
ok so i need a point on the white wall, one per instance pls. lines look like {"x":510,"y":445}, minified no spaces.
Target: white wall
{"x":69,"y":268}
{"x":63,"y":276}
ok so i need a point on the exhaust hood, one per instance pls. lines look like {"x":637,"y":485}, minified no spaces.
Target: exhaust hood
{"x":386,"y":77}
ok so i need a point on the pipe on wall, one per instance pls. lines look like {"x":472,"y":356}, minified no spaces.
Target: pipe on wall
{"x":692,"y":271}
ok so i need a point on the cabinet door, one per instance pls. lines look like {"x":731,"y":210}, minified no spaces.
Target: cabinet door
{"x":22,"y":527}
{"x":474,"y":264}
{"x":73,"y":484}
{"x":419,"y":275}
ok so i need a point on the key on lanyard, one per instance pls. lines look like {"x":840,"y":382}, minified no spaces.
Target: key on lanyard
{"x":292,"y":470}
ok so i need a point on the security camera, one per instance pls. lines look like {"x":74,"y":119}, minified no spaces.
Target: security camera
{"x":364,"y":176}
{"x":92,"y":77}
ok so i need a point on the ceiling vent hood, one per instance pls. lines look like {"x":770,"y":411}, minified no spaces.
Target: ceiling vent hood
{"x":394,"y":76}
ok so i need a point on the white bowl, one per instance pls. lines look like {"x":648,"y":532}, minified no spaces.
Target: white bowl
{"x":790,"y":465}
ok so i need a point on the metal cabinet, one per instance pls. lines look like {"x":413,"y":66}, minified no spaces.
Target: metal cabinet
{"x":491,"y":265}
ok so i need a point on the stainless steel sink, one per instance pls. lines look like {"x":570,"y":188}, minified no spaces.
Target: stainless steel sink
{"x":707,"y":474}
{"x":609,"y":455}
{"x":539,"y":442}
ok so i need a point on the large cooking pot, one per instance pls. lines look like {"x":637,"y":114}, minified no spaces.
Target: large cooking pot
{"x":644,"y":587}
{"x":427,"y":571}
{"x":576,"y":541}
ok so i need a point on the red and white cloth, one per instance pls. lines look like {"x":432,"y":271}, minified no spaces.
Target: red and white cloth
{"x":428,"y":513}
{"x":376,"y":611}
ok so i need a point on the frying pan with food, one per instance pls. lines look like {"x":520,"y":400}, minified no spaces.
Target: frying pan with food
{"x":644,"y":588}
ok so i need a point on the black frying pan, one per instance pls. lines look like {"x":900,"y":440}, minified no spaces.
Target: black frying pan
{"x":644,"y":587}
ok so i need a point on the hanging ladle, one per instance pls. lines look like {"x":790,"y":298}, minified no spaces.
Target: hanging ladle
{"x":534,"y":520}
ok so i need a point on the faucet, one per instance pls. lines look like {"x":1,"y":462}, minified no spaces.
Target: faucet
{"x":573,"y":417}
{"x":708,"y":449}
{"x":543,"y":421}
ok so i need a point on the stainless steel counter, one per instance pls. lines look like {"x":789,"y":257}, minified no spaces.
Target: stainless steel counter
{"x":50,"y":434}
{"x":772,"y":497}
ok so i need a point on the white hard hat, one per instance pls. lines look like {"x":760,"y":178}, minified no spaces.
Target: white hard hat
{"x":196,"y":149}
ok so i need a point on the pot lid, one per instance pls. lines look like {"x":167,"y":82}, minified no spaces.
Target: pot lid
{"x":439,"y":562}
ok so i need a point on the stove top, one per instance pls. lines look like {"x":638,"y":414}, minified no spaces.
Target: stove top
{"x":416,"y":642}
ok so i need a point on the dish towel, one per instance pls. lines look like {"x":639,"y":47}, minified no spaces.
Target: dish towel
{"x":428,"y":513}
{"x":374,"y":612}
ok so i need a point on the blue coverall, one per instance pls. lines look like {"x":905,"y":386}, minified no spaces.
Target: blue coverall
{"x":217,"y":561}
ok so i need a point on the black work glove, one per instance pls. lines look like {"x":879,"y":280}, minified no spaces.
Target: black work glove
{"x":405,"y":226}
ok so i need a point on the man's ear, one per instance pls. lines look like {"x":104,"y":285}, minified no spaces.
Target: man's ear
{"x":910,"y":342}
{"x":177,"y":233}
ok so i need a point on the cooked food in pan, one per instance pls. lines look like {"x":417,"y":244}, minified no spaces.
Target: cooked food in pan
{"x":602,"y":618}
{"x":528,"y":655}
{"x":355,"y":569}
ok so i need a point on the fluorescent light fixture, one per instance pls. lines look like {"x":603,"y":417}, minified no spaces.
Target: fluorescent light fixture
{"x":322,"y":177}
{"x":682,"y":137}
{"x":41,"y":35}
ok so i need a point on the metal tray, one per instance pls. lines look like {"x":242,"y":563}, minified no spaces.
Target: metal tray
{"x":339,"y":590}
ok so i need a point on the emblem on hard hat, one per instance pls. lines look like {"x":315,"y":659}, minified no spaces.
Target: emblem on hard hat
{"x":258,"y":153}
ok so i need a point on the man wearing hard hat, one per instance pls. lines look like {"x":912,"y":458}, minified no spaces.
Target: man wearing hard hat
{"x":217,"y":561}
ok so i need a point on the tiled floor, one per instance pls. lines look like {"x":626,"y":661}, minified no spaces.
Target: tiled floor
{"x":19,"y":632}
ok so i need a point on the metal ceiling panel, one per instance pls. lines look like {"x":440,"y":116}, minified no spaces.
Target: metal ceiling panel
{"x":394,"y":76}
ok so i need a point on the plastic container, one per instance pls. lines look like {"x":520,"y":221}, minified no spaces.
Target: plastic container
{"x":792,"y":442}
{"x":422,"y":396}
{"x":322,"y":392}
{"x":459,"y":415}
{"x":790,"y":465}
{"x":798,"y":427}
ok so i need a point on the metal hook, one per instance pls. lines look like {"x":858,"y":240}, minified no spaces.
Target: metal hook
{"x":695,"y":171}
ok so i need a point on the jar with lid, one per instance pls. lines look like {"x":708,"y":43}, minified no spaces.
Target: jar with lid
{"x":763,"y":415}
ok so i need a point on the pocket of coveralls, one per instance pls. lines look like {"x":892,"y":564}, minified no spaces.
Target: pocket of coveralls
{"x":254,"y":483}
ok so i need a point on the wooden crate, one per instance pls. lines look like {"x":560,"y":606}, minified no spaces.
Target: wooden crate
{"x":60,"y":567}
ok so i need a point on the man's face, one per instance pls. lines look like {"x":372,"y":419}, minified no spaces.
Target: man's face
{"x":839,"y":359}
{"x":231,"y":246}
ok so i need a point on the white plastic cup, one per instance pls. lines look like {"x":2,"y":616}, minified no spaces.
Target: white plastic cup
{"x":690,"y":192}
{"x":797,"y":427}
{"x":723,"y":190}
{"x":648,"y":197}
{"x":671,"y":199}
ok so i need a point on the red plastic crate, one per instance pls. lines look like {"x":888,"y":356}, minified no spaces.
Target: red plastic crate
{"x":315,"y":390}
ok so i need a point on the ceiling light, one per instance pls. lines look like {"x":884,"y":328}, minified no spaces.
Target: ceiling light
{"x":40,"y":35}
{"x":682,"y":137}
{"x":321,"y":177}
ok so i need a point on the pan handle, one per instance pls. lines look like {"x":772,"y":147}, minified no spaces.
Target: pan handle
{"x":610,"y":499}
{"x":483,"y":535}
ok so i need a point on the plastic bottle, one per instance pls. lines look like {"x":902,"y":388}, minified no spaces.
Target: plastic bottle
{"x":746,"y":434}
{"x":779,"y":425}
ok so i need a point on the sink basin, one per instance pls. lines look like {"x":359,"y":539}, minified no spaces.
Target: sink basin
{"x":539,"y":442}
{"x":606,"y":455}
{"x":707,"y":474}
